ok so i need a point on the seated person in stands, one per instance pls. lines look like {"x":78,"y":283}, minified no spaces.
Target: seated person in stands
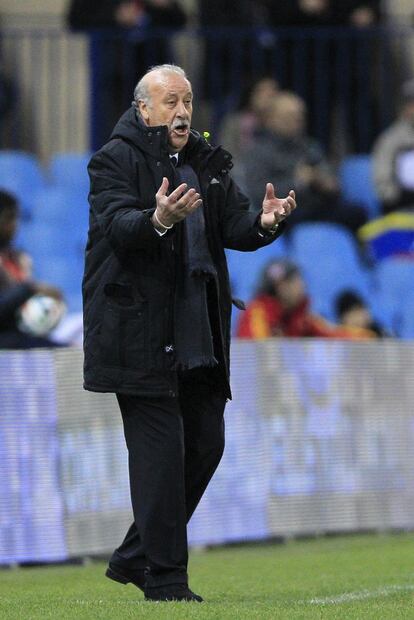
{"x":283,"y":153}
{"x":237,"y":130}
{"x":16,"y":284}
{"x":281,"y":308}
{"x":353,"y":313}
{"x":393,"y":157}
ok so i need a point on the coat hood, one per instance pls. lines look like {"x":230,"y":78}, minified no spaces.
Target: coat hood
{"x":154,"y":141}
{"x":131,"y":128}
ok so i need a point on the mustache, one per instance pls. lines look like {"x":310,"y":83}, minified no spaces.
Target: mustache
{"x":181,"y":123}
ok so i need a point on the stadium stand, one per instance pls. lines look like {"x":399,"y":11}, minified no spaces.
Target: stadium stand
{"x":54,"y":225}
{"x":55,"y":220}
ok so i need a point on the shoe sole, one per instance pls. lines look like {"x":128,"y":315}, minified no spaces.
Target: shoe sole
{"x":111,"y":574}
{"x":173,"y":600}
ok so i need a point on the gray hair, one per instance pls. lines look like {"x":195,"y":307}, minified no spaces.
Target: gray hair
{"x":141,"y":89}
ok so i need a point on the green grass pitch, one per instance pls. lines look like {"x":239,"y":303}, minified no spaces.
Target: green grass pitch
{"x":347,"y":577}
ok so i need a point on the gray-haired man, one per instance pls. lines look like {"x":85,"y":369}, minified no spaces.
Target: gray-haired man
{"x":157,"y":309}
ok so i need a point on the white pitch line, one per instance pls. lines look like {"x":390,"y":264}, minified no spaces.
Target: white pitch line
{"x":348,"y":597}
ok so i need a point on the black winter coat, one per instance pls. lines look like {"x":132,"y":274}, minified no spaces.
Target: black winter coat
{"x":128,"y":285}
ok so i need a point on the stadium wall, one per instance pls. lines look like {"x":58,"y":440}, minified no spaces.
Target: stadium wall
{"x":319,"y":439}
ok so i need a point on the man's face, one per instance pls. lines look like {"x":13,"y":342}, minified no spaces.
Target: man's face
{"x":171,"y":104}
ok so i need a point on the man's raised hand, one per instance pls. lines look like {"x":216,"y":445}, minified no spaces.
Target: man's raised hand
{"x":274,"y":209}
{"x":176,"y":206}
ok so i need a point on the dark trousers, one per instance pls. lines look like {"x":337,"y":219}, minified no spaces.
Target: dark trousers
{"x":174,"y":446}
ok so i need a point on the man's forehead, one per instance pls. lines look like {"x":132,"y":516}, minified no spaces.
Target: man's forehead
{"x":168,"y":83}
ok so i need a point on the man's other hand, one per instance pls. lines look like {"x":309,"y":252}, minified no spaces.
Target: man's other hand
{"x":274,"y":209}
{"x":176,"y":206}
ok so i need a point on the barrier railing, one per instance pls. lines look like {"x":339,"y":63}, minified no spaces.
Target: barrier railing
{"x":71,"y":86}
{"x":319,"y":439}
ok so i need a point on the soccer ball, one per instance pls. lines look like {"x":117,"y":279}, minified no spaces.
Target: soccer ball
{"x":40,"y":314}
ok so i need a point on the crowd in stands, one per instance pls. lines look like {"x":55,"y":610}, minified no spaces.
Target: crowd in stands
{"x":335,"y":272}
{"x":239,"y":42}
{"x":281,"y":307}
{"x":281,"y":152}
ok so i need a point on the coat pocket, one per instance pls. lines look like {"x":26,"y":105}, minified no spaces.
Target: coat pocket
{"x":124,"y":335}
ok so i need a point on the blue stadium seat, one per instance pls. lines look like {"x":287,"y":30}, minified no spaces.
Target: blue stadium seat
{"x":394,"y":280}
{"x":46,"y":240}
{"x":65,"y":209}
{"x":323,"y":240}
{"x":357,"y":186}
{"x":245,"y":267}
{"x":328,"y":258}
{"x":406,"y":327}
{"x":22,"y":175}
{"x":69,"y":170}
{"x":64,"y":272}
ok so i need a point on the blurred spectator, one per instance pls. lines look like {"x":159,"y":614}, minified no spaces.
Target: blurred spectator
{"x":393,"y":157}
{"x":16,"y":284}
{"x":357,"y":13}
{"x":238,"y":128}
{"x":393,"y":164}
{"x":124,"y":46}
{"x":281,"y":308}
{"x":352,"y":312}
{"x":284,"y":155}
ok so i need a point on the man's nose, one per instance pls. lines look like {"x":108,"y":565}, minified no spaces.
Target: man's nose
{"x":181,"y":109}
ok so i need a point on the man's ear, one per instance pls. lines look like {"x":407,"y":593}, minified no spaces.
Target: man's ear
{"x":143,"y":110}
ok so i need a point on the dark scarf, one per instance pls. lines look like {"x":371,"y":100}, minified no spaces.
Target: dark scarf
{"x":193,"y":336}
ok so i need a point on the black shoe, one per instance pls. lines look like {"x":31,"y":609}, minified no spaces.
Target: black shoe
{"x":123,"y":575}
{"x":172,"y":592}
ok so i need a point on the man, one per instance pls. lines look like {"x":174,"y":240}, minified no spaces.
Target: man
{"x":157,"y":311}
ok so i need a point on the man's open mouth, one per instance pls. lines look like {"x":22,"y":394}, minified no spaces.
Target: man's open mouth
{"x":181,"y":130}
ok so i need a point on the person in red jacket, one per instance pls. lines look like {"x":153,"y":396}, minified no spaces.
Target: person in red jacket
{"x":282,"y":308}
